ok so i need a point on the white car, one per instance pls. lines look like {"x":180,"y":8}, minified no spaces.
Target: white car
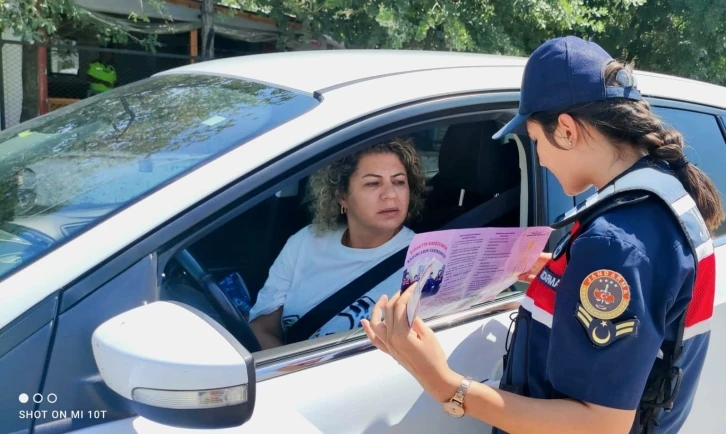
{"x":111,"y":205}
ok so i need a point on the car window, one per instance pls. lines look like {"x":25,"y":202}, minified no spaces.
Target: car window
{"x":61,"y":173}
{"x":254,"y":254}
{"x":705,"y":146}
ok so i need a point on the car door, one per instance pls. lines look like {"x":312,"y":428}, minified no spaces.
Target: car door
{"x":339,"y":383}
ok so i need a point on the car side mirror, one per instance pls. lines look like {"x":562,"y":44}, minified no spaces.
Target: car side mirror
{"x":177,"y":366}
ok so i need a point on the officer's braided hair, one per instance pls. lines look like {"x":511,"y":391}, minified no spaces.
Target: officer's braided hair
{"x":632,"y":123}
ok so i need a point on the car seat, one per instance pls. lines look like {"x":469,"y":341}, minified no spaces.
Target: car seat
{"x":474,"y":169}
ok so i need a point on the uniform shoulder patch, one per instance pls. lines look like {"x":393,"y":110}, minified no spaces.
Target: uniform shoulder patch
{"x":604,"y":296}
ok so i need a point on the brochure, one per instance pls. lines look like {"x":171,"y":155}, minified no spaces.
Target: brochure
{"x":456,"y":269}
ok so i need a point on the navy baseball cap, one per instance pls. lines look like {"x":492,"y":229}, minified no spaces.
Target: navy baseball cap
{"x":564,"y":72}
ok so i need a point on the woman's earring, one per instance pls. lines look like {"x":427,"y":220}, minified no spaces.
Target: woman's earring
{"x":570,"y":143}
{"x":342,"y":209}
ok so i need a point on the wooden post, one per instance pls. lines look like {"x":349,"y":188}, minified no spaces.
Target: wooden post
{"x":2,"y":88}
{"x":194,"y":44}
{"x":42,"y":71}
{"x":208,"y":29}
{"x":42,"y":79}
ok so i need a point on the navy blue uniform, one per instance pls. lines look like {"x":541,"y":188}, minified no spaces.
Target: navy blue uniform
{"x":591,"y":325}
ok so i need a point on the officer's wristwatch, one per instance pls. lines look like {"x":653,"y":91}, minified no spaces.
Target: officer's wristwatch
{"x":455,"y":406}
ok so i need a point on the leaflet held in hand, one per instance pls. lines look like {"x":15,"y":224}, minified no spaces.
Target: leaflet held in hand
{"x":456,"y":269}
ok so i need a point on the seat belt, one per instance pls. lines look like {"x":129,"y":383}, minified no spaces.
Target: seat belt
{"x":318,"y":316}
{"x":486,"y":212}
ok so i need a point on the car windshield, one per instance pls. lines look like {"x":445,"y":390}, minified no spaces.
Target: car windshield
{"x":63,"y":172}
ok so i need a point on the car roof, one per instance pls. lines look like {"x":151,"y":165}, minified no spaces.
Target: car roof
{"x":319,"y":71}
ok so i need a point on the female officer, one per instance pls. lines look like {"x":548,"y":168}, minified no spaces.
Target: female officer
{"x":614,"y":327}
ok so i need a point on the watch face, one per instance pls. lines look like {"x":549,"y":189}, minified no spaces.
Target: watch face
{"x":454,"y":409}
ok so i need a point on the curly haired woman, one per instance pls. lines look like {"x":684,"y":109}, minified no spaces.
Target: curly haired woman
{"x":360,"y":204}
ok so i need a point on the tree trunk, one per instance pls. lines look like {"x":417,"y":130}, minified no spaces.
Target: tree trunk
{"x":30,"y":83}
{"x":207,"y":29}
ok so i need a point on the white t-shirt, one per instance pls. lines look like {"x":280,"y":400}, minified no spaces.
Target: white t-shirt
{"x":310,"y":268}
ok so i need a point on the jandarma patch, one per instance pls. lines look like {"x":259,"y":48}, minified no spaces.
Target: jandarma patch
{"x":605,"y":295}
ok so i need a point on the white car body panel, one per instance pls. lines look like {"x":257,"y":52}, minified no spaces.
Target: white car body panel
{"x":27,"y":287}
{"x":345,"y":401}
{"x":267,"y":419}
{"x":720,"y":273}
{"x":706,"y":414}
{"x":317,"y":70}
{"x":707,"y":406}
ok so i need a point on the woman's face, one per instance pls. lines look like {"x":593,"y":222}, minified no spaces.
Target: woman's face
{"x":378,"y":194}
{"x":568,"y":165}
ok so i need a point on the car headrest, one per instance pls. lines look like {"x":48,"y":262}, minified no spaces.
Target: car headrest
{"x":471,"y":160}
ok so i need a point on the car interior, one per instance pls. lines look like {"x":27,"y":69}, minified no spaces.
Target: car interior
{"x":472,"y":181}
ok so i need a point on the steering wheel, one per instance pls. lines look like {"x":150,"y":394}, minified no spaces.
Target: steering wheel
{"x":231,"y":316}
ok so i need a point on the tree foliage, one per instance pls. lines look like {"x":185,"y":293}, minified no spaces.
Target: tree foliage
{"x":680,"y":37}
{"x":51,"y":20}
{"x":43,"y":21}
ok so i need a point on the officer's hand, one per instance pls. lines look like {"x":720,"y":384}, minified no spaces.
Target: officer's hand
{"x":529,"y":276}
{"x":415,"y":348}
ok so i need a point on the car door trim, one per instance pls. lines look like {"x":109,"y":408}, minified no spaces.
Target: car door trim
{"x":335,"y":351}
{"x":722,"y":124}
{"x":669,"y":103}
{"x":26,"y":325}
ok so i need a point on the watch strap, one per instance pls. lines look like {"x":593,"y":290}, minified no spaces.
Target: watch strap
{"x":462,"y":389}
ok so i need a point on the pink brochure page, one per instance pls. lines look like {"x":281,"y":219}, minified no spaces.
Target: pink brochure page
{"x":448,"y":287}
{"x":507,"y":253}
{"x":425,"y":266}
{"x":527,"y":249}
{"x":520,"y":257}
{"x":455,"y":269}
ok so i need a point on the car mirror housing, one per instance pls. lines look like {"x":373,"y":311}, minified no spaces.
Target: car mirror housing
{"x":176,"y":366}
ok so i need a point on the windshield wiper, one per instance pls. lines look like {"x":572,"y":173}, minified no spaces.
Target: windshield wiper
{"x":132,"y":115}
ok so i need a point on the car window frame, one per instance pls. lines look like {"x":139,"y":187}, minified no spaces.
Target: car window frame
{"x":278,"y":361}
{"x":720,"y":118}
{"x":721,"y":241}
{"x":722,"y":123}
{"x":253,"y":187}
